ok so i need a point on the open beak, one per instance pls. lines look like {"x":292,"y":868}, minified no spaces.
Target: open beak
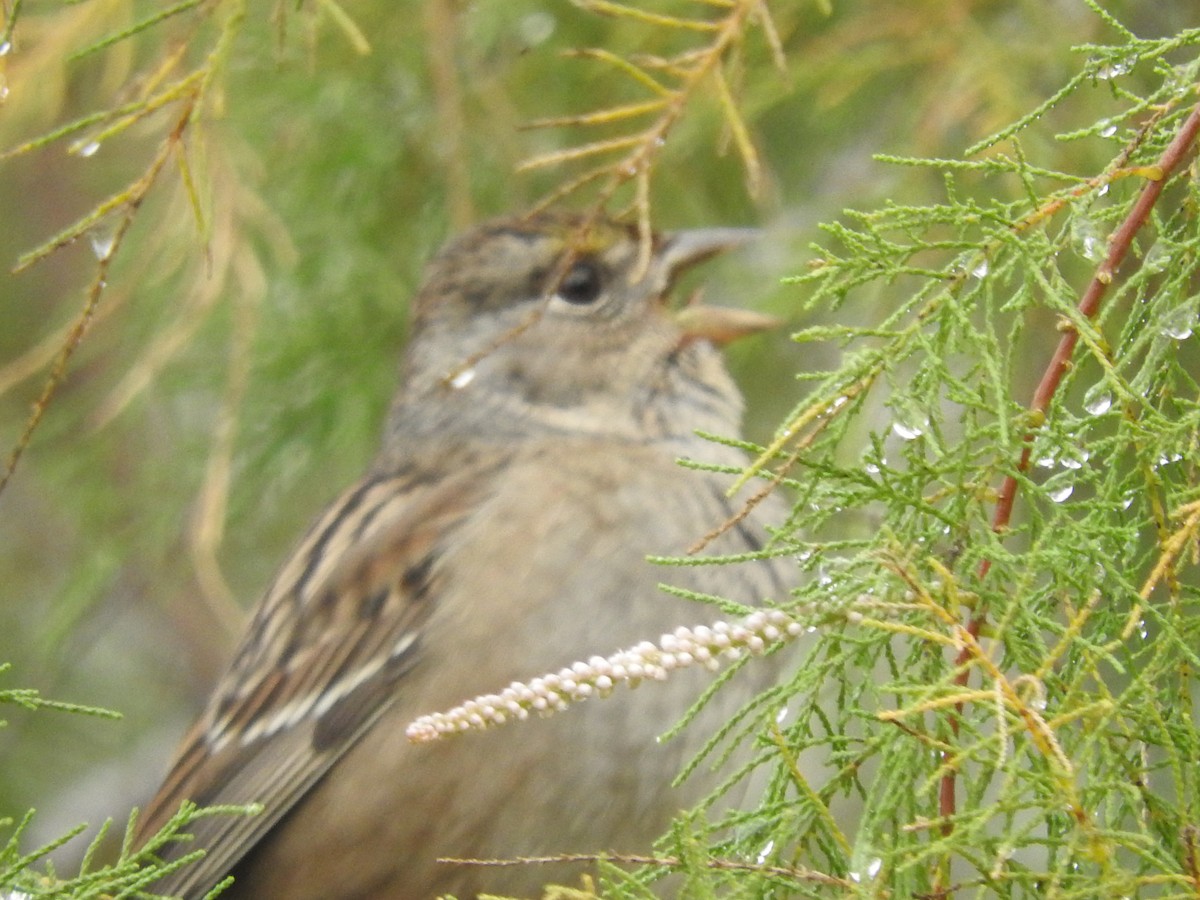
{"x":717,"y":324}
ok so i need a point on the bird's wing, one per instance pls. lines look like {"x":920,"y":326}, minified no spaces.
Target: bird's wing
{"x":318,"y":664}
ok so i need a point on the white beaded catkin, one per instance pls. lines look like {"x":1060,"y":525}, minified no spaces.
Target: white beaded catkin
{"x":705,"y":645}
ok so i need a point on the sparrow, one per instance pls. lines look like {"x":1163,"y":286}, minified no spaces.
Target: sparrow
{"x":529,"y":465}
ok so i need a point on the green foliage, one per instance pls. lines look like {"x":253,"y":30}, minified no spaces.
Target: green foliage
{"x":129,"y":876}
{"x":208,"y":353}
{"x":1001,"y":703}
{"x":21,"y":872}
{"x":30,"y":699}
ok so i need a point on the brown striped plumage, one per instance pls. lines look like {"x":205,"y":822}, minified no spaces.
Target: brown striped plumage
{"x":529,"y":464}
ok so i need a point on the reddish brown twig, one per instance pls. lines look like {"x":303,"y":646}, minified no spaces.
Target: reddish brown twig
{"x":1089,"y":306}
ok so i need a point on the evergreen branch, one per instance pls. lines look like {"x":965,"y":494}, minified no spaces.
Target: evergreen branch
{"x":130,"y":201}
{"x":182,"y":90}
{"x":794,"y":873}
{"x":1089,"y":304}
{"x":636,"y":72}
{"x":30,"y":699}
{"x":63,"y":130}
{"x":136,"y":28}
{"x":1173,"y":548}
{"x":601,"y":117}
{"x":690,"y":70}
{"x":583,"y":151}
{"x":609,"y":8}
{"x":1089,"y":307}
{"x":185,"y":89}
{"x":186,"y":92}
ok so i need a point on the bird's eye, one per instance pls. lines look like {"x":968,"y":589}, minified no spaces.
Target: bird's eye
{"x":582,"y":283}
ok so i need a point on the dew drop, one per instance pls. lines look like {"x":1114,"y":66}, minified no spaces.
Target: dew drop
{"x":1098,"y":400}
{"x":765,"y":853}
{"x":1108,"y":131}
{"x":462,"y":378}
{"x":981,"y":270}
{"x":1157,"y":258}
{"x":1086,"y":237}
{"x":871,"y":469}
{"x":1047,"y":462}
{"x":102,"y":245}
{"x":5,"y":48}
{"x":1178,"y":323}
{"x":1071,"y":462}
{"x":89,"y":149}
{"x":1058,"y":495}
{"x":908,"y":431}
{"x":1114,"y":70}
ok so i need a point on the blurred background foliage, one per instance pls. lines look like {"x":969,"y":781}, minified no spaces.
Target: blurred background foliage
{"x":243,"y":348}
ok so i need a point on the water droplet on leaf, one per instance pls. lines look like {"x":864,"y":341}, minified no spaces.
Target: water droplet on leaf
{"x":102,"y":245}
{"x":1098,"y":400}
{"x":1059,"y":494}
{"x":765,"y":853}
{"x":1115,"y":69}
{"x":1157,"y":257}
{"x":1178,"y":323}
{"x":909,"y":428}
